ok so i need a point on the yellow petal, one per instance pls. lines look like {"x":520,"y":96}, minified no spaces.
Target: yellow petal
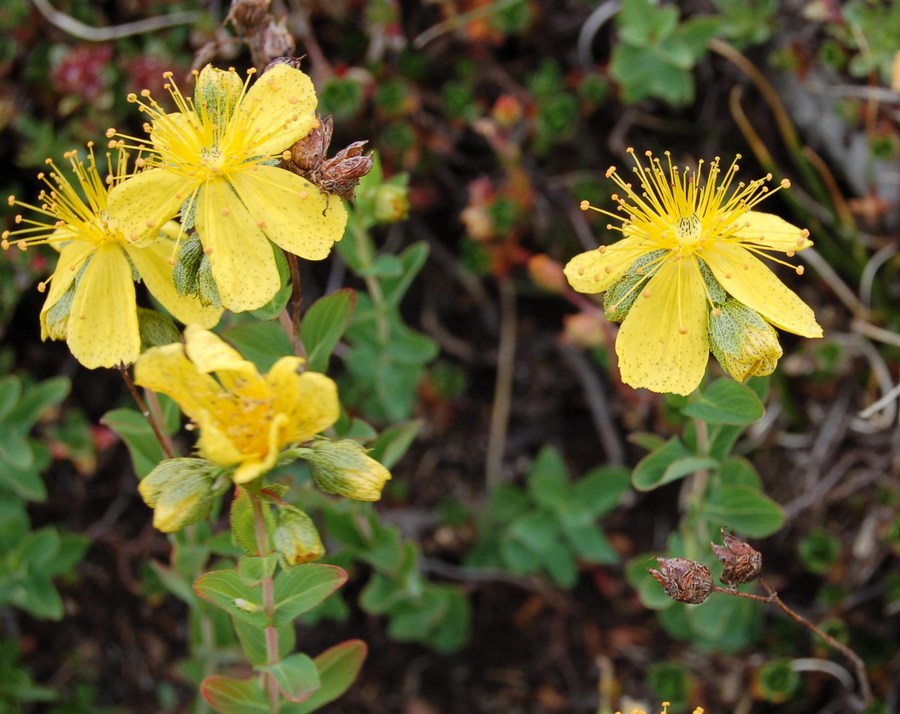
{"x":152,"y":263}
{"x":748,"y":280}
{"x":772,"y":232}
{"x":103,"y":323}
{"x":653,"y":351}
{"x":596,"y":270}
{"x":167,"y":370}
{"x":294,"y":214}
{"x":309,"y":399}
{"x":279,"y":109}
{"x":140,"y":206}
{"x":241,"y":257}
{"x":261,"y":463}
{"x":71,"y":257}
{"x":210,"y":354}
{"x":215,"y":445}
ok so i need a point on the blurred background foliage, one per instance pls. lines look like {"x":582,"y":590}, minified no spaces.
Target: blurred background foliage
{"x":487,"y":581}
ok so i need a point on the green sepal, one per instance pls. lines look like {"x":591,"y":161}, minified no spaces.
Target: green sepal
{"x":621,"y":295}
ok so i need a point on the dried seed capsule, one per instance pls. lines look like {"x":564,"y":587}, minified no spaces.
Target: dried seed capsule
{"x":683,"y":580}
{"x":743,"y":562}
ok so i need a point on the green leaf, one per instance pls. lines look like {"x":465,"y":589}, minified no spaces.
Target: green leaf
{"x":35,"y":400}
{"x":548,"y":479}
{"x":133,"y":429}
{"x":651,"y":471}
{"x":174,"y":582}
{"x":227,"y":590}
{"x":536,"y":530}
{"x":453,"y":629}
{"x":15,"y":449}
{"x":253,"y":640}
{"x":722,"y":438}
{"x":600,"y":489}
{"x":519,"y":558}
{"x":743,"y":509}
{"x":590,"y":544}
{"x":324,"y":324}
{"x":303,"y":587}
{"x":39,"y":549}
{"x":263,"y":343}
{"x":38,"y":597}
{"x":28,"y":484}
{"x":253,"y":569}
{"x":72,"y":547}
{"x":559,"y":563}
{"x":10,"y":391}
{"x":234,"y":696}
{"x":296,"y":675}
{"x":412,"y":259}
{"x":338,"y":668}
{"x":726,"y":402}
{"x":384,"y":266}
{"x":394,"y":442}
{"x":739,"y":472}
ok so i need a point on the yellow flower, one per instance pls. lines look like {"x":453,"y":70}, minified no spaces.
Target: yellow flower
{"x":245,"y":418}
{"x":91,"y":303}
{"x":212,"y":160}
{"x":678,"y":228}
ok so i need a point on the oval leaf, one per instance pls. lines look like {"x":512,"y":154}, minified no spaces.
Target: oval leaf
{"x":324,"y":324}
{"x":296,"y":675}
{"x":303,"y":587}
{"x":726,"y":402}
{"x":651,"y":470}
{"x":227,"y":590}
{"x":338,"y":668}
{"x":743,"y":509}
{"x":234,"y":696}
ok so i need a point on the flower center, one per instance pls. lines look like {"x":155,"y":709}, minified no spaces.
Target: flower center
{"x":213,"y":159}
{"x":688,"y":230}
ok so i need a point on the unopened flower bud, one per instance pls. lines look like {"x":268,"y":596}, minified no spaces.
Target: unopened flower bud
{"x":296,"y":537}
{"x":547,"y":274}
{"x":583,"y":329}
{"x":391,"y":203}
{"x":742,"y":561}
{"x":683,"y":580}
{"x":743,"y":342}
{"x":345,"y":469}
{"x":181,"y":492}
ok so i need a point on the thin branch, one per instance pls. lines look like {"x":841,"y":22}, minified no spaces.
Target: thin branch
{"x":506,"y":354}
{"x":71,"y":26}
{"x":152,"y":419}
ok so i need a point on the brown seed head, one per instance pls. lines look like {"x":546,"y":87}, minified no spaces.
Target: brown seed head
{"x":683,"y":580}
{"x":743,"y":563}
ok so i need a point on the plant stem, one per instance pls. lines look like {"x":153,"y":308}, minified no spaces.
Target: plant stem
{"x":367,"y":259}
{"x":296,"y":309}
{"x":503,"y":385}
{"x":772,"y":597}
{"x":268,"y":588}
{"x":153,"y":417}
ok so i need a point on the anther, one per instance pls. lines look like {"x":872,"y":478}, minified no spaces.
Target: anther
{"x":584,"y":205}
{"x":682,"y":330}
{"x":42,"y":287}
{"x":800,"y":270}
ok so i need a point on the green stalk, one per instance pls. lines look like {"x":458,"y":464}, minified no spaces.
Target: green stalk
{"x":268,"y":587}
